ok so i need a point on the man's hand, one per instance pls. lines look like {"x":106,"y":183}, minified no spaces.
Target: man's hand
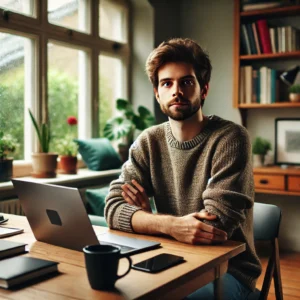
{"x":135,"y":195}
{"x":190,"y":229}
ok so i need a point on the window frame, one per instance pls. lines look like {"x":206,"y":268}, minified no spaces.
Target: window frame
{"x":38,"y":28}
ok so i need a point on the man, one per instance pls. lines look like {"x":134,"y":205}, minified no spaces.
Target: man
{"x":198,"y":168}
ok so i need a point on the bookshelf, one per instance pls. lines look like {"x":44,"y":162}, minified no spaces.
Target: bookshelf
{"x":273,"y":179}
{"x":244,"y":17}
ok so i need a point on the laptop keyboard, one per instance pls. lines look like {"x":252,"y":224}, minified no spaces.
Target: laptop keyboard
{"x":124,"y":249}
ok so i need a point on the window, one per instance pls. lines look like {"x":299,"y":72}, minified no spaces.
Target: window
{"x":76,"y":65}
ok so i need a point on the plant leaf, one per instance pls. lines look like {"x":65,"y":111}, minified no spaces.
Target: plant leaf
{"x":116,"y":128}
{"x":36,"y":127}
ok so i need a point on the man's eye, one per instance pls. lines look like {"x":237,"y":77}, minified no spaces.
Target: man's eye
{"x":166,"y":84}
{"x":188,"y":82}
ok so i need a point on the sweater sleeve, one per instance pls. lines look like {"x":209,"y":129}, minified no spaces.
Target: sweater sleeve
{"x":117,"y":212}
{"x":230,"y":190}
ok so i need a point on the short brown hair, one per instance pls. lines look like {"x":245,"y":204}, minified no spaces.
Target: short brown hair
{"x":179,"y":50}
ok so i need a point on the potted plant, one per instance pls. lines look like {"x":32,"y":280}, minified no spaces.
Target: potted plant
{"x":294,"y":93}
{"x":7,"y":145}
{"x":124,"y":127}
{"x":44,"y":164}
{"x":260,"y":148}
{"x":67,"y":150}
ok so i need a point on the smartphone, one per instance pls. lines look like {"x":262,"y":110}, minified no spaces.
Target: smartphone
{"x":158,"y":263}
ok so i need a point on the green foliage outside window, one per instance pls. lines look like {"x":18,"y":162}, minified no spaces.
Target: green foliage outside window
{"x":62,"y":102}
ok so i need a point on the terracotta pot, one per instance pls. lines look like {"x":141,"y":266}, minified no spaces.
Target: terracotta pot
{"x":294,"y":97}
{"x":67,"y":164}
{"x":44,"y":165}
{"x":6,"y":169}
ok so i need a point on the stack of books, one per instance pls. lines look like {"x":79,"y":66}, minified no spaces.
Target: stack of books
{"x":249,"y":5}
{"x":258,"y":85}
{"x":20,"y":269}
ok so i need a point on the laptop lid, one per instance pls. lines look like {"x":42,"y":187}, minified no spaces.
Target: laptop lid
{"x":57,"y":215}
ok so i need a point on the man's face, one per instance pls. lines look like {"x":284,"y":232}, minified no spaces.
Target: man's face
{"x":178,"y":92}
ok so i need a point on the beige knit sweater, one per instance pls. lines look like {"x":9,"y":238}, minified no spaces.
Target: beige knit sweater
{"x":211,"y":171}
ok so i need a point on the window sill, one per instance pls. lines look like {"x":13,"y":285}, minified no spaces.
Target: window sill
{"x":83,"y":178}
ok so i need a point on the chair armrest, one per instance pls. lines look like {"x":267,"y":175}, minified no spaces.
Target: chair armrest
{"x":97,"y":220}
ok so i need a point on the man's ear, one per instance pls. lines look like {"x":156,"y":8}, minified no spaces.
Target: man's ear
{"x":156,"y":94}
{"x":204,"y":91}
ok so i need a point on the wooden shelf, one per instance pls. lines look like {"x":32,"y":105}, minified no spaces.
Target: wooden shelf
{"x":270,"y":56}
{"x":272,"y":12}
{"x":277,"y":170}
{"x":273,"y":105}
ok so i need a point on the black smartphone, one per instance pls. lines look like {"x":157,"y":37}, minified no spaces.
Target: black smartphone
{"x":158,"y":263}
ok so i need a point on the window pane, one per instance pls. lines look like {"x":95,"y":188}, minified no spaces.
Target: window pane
{"x":15,"y":87}
{"x":112,"y":21}
{"x":110,"y":87}
{"x":69,"y":13}
{"x":24,"y":7}
{"x":62,"y":91}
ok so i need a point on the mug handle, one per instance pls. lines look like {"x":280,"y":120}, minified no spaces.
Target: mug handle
{"x":130,"y":263}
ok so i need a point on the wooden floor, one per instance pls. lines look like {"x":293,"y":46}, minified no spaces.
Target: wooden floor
{"x":290,"y":275}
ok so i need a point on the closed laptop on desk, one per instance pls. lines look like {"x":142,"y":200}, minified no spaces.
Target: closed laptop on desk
{"x":57,"y":216}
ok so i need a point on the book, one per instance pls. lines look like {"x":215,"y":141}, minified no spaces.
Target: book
{"x":248,"y":84}
{"x":264,"y":36}
{"x":20,"y":269}
{"x":7,"y":231}
{"x":255,"y":33}
{"x":245,"y":40}
{"x":251,"y":39}
{"x":9,"y":248}
{"x":259,"y":6}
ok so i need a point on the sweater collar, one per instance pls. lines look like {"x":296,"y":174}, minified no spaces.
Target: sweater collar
{"x":198,"y":139}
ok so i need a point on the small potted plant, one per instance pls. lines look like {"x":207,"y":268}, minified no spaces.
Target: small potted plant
{"x":67,"y":150}
{"x":7,"y":145}
{"x":294,"y":93}
{"x":260,"y":148}
{"x":126,"y":125}
{"x":44,"y":163}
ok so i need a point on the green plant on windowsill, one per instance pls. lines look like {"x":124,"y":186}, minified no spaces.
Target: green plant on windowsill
{"x":8,"y":146}
{"x":44,"y":164}
{"x":43,"y":133}
{"x":126,"y":125}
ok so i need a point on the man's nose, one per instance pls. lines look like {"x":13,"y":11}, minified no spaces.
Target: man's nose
{"x":176,"y":90}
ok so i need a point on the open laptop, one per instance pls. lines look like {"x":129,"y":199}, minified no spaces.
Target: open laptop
{"x":57,"y":216}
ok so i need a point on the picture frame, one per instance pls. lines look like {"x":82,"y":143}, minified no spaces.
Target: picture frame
{"x":287,"y":141}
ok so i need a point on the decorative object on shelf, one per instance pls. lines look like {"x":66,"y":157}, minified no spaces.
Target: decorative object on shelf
{"x":44,"y":164}
{"x":260,"y":148}
{"x":7,"y":145}
{"x":67,"y":149}
{"x":287,"y":141}
{"x":294,"y":93}
{"x":125,"y":126}
{"x":289,"y":76}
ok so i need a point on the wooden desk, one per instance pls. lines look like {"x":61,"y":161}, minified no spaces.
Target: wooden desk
{"x":203,"y":264}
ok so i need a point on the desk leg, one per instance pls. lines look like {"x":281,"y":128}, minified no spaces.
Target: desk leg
{"x":218,"y":286}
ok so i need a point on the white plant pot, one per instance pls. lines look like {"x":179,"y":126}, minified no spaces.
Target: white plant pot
{"x":294,"y":97}
{"x":258,"y":160}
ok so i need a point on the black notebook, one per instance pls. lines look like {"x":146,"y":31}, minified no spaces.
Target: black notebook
{"x":9,"y":248}
{"x":19,"y":269}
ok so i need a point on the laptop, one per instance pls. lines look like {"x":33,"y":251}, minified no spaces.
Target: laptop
{"x":57,"y":215}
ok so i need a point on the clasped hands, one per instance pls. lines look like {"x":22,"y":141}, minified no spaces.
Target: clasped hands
{"x":188,"y":229}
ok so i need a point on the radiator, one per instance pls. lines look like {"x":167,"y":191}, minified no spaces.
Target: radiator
{"x":11,"y":206}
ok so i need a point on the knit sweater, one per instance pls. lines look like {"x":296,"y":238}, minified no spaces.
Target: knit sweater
{"x":211,"y":171}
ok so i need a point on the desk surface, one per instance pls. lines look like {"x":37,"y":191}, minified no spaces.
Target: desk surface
{"x":203,"y":265}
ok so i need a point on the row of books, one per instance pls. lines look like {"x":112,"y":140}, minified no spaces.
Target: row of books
{"x":259,"y":38}
{"x":258,"y":85}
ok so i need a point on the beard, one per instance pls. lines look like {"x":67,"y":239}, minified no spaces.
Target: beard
{"x":183,"y":112}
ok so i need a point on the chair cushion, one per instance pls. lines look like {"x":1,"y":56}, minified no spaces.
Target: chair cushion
{"x":96,"y":200}
{"x":98,"y":154}
{"x":99,"y":221}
